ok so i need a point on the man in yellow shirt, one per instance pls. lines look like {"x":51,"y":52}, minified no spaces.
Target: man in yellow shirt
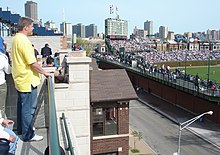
{"x":25,"y":72}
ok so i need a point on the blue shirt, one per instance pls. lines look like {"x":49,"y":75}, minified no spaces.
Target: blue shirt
{"x":2,"y":49}
{"x":55,"y":62}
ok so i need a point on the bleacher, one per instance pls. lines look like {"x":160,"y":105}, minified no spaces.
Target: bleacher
{"x":9,"y":21}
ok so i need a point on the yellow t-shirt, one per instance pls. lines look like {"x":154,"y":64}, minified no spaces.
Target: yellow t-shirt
{"x":22,"y":57}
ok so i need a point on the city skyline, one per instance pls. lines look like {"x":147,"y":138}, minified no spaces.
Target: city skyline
{"x":180,"y":17}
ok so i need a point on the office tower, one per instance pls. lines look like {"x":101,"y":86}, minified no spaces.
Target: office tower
{"x":163,"y":31}
{"x":31,"y":10}
{"x":66,"y":28}
{"x":91,"y":31}
{"x":115,"y":27}
{"x":148,"y":26}
{"x":215,"y":34}
{"x":79,"y":30}
{"x":140,"y":32}
{"x":170,"y":35}
{"x":209,"y":35}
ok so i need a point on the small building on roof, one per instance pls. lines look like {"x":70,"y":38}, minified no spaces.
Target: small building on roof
{"x":110,"y":94}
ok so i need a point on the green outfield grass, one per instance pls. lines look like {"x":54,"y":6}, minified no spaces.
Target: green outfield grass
{"x":214,"y":73}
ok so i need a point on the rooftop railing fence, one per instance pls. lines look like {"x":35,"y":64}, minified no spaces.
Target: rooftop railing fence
{"x":167,"y":79}
{"x":54,"y":143}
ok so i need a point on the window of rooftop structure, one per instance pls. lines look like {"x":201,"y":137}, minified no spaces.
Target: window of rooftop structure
{"x":104,"y":121}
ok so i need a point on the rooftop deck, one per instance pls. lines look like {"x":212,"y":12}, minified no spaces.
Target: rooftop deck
{"x":33,"y":148}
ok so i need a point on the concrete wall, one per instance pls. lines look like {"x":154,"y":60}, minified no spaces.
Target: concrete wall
{"x":39,"y":42}
{"x":73,"y":100}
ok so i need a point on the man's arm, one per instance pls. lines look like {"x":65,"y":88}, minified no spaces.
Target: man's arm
{"x":7,"y":67}
{"x":39,"y":69}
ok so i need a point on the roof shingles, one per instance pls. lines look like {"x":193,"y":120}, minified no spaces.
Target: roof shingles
{"x":111,"y":85}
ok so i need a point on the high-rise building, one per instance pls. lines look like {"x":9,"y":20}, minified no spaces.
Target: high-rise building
{"x":148,"y":26}
{"x":66,"y":28}
{"x":79,"y":30}
{"x":31,"y":10}
{"x":170,"y":35}
{"x":91,"y":30}
{"x":140,"y":32}
{"x":116,"y":28}
{"x":215,"y":34}
{"x":219,"y":34}
{"x":209,"y":35}
{"x":163,"y":32}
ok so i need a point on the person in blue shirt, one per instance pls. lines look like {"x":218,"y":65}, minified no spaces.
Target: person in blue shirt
{"x":2,"y":45}
{"x":56,"y":59}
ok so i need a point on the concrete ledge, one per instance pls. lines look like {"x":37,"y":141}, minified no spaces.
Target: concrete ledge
{"x":110,"y":136}
{"x":74,"y":60}
{"x":61,"y":85}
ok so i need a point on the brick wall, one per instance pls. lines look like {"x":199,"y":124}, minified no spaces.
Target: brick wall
{"x":193,"y":103}
{"x":123,"y":119}
{"x":117,"y":144}
{"x":111,"y":145}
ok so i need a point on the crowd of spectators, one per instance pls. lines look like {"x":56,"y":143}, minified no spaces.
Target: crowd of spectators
{"x":131,"y":45}
{"x":142,"y":47}
{"x":137,"y":54}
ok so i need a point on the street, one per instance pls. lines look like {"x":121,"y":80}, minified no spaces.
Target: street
{"x":162,"y":134}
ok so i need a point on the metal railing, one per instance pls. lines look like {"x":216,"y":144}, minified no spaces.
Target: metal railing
{"x":70,"y":147}
{"x":54,"y":143}
{"x":181,"y":84}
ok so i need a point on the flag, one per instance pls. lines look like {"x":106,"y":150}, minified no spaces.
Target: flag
{"x":111,"y":9}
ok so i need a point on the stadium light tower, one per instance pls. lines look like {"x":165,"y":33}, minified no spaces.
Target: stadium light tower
{"x":187,"y":123}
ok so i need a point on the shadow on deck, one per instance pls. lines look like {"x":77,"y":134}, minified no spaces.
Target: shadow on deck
{"x":33,"y":148}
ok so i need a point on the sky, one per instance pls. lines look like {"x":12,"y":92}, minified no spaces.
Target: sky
{"x":178,"y":15}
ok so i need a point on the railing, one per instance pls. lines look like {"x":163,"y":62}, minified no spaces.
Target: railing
{"x":54,"y":144}
{"x":70,"y":147}
{"x":180,"y":84}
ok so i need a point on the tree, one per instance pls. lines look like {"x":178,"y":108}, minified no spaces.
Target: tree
{"x":136,"y":135}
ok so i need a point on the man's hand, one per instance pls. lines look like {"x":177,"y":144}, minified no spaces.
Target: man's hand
{"x":39,"y":69}
{"x":11,"y":138}
{"x":46,"y":74}
{"x":7,"y":121}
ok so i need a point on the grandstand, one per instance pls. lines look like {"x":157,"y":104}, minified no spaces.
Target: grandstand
{"x":8,"y":25}
{"x":8,"y":22}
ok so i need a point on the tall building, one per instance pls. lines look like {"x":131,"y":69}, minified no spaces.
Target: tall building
{"x":79,"y":30}
{"x":116,"y":28}
{"x":66,"y":28}
{"x":215,"y":34}
{"x":163,"y":32}
{"x":31,"y":10}
{"x":148,"y":26}
{"x":91,"y":31}
{"x":140,"y":32}
{"x":170,"y":35}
